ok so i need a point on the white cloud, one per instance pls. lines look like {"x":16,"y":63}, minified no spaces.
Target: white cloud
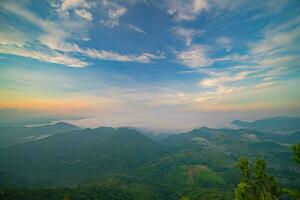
{"x":79,"y":7}
{"x":24,"y":13}
{"x":69,"y":4}
{"x":186,"y":10}
{"x":54,"y":35}
{"x":187,"y":34}
{"x":195,"y":56}
{"x":224,"y":42}
{"x":108,"y":55}
{"x":10,"y":37}
{"x":279,"y":61}
{"x":53,"y":57}
{"x":278,"y":50}
{"x":15,"y":43}
{"x":264,"y":85}
{"x":222,"y":79}
{"x":217,"y":97}
{"x":113,"y":12}
{"x":84,"y":14}
{"x":137,"y":29}
{"x":57,"y":43}
{"x":276,"y":54}
{"x":276,"y":42}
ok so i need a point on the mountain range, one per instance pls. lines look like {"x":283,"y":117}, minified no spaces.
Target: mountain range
{"x":199,"y":163}
{"x":280,"y":125}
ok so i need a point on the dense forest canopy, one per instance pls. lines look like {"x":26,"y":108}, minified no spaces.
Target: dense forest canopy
{"x":122,"y":163}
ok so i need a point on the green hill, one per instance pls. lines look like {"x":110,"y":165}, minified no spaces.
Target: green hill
{"x":10,"y":135}
{"x":91,"y":163}
{"x":281,"y":125}
{"x":79,"y":155}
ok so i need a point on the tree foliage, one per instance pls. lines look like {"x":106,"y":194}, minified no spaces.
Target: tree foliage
{"x":67,"y":198}
{"x":296,"y":152}
{"x":256,"y":183}
{"x":294,"y":193}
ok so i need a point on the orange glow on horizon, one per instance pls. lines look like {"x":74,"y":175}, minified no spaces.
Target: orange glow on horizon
{"x":59,"y":106}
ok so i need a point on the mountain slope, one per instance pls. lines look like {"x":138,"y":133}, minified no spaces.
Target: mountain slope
{"x":219,"y":149}
{"x":272,"y":125}
{"x":200,"y":163}
{"x":79,"y":155}
{"x":21,"y":134}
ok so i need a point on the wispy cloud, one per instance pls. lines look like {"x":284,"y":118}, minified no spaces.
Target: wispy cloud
{"x":79,"y":7}
{"x":137,"y":29}
{"x":109,"y":55}
{"x":194,"y":57}
{"x":216,"y":97}
{"x":55,"y":35}
{"x":276,"y":42}
{"x":53,"y":57}
{"x":224,"y":42}
{"x":222,"y":79}
{"x":275,"y":55}
{"x":279,"y":49}
{"x":264,"y":85}
{"x":186,"y":10}
{"x":9,"y":37}
{"x":53,"y":38}
{"x":187,"y":34}
{"x":84,"y":14}
{"x":113,"y":12}
{"x":18,"y":43}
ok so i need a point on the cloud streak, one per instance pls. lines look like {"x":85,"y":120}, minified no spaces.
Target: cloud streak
{"x":54,"y":57}
{"x":109,"y":55}
{"x":79,"y":7}
{"x":186,"y":10}
{"x":187,"y":34}
{"x":137,"y":29}
{"x":222,"y":79}
{"x":194,"y":57}
{"x":54,"y":36}
{"x":113,"y":13}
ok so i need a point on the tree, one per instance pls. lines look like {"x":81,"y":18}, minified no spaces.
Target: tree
{"x":66,"y":198}
{"x":256,"y":184}
{"x":185,"y":198}
{"x":296,"y":152}
{"x":295,"y":194}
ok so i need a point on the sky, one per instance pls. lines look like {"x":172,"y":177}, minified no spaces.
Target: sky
{"x":165,"y":65}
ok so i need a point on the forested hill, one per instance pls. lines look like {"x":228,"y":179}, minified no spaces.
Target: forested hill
{"x":75,"y":156}
{"x":14,"y":134}
{"x":281,"y":125}
{"x":122,"y":163}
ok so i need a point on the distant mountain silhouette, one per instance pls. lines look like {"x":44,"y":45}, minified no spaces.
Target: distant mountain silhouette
{"x":20,"y":134}
{"x":273,"y":125}
{"x":77,"y":155}
{"x":113,"y":160}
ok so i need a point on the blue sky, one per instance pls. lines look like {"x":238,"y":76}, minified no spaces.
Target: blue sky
{"x":161,"y":64}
